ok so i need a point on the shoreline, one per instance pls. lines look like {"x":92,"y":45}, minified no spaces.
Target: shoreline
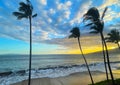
{"x":79,"y":78}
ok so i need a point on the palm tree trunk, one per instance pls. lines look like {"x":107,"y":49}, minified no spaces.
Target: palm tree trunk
{"x":85,"y":62}
{"x":108,"y":61}
{"x":104,"y":60}
{"x":29,"y":81}
{"x":118,"y":45}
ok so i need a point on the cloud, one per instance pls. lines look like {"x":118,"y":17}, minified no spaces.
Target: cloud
{"x":111,"y":16}
{"x":51,"y":11}
{"x":111,"y":13}
{"x":82,"y":8}
{"x":89,"y":43}
{"x":54,"y":21}
{"x":43,"y":2}
{"x":63,"y":6}
{"x":72,"y":42}
{"x":67,"y":14}
{"x":108,"y":3}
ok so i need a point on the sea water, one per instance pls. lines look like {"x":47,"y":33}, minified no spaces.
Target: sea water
{"x":14,"y":68}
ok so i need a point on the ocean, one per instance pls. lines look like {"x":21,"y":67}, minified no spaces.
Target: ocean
{"x":14,"y":68}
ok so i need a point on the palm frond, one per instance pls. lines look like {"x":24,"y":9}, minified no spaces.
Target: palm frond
{"x":27,"y":0}
{"x":23,"y":9}
{"x":95,"y":28}
{"x":109,"y":34}
{"x":87,"y":18}
{"x":35,"y":15}
{"x":93,"y":12}
{"x":19,"y":15}
{"x":89,"y":24}
{"x":72,"y":36}
{"x":94,"y":32}
{"x":26,"y":8}
{"x":113,"y":36}
{"x":22,"y":4}
{"x":106,"y":38}
{"x":100,"y":25}
{"x":104,"y":12}
{"x":109,"y":41}
{"x":22,"y":16}
{"x":29,"y":5}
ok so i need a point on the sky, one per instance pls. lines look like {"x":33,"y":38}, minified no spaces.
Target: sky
{"x":50,"y":29}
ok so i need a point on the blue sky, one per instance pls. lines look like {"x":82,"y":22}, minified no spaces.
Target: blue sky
{"x":52,"y":25}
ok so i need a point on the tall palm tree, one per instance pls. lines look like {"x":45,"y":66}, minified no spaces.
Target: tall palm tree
{"x":114,"y":36}
{"x":26,"y":11}
{"x":94,"y":16}
{"x":97,"y":25}
{"x":76,"y":34}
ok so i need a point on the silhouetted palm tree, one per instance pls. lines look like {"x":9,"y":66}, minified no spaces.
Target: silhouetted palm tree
{"x":94,"y":16}
{"x":114,"y":36}
{"x":97,"y":25}
{"x":25,"y":11}
{"x":76,"y":34}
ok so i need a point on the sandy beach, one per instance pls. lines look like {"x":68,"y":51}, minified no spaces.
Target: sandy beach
{"x":81,"y":78}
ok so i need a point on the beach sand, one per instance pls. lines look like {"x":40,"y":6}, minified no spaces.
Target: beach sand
{"x":81,"y":78}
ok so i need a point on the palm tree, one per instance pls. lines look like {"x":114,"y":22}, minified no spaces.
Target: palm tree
{"x":25,"y":11}
{"x":114,"y":36}
{"x":94,"y":16}
{"x":76,"y":34}
{"x":97,"y":25}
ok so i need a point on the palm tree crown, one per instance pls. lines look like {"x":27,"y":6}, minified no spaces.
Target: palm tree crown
{"x":96,"y":24}
{"x":75,"y":33}
{"x":114,"y":36}
{"x":92,"y":14}
{"x":25,"y":10}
